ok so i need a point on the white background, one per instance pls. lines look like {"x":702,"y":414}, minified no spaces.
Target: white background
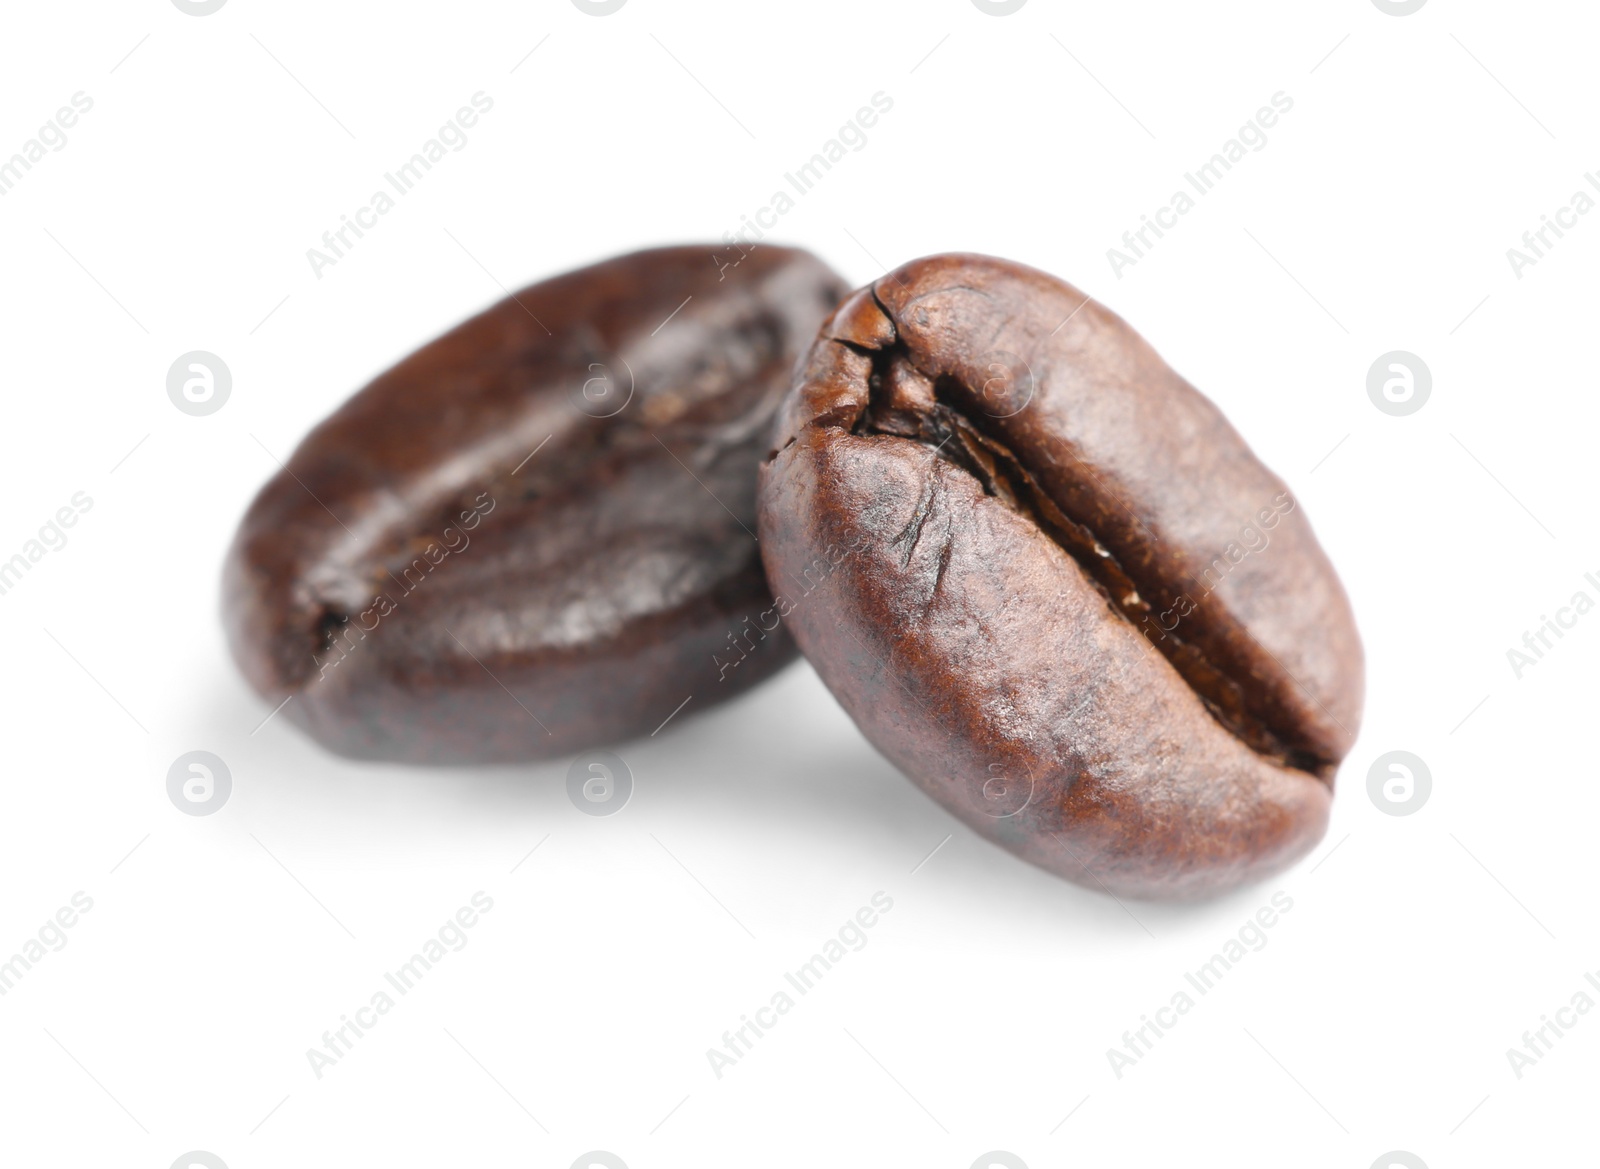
{"x":978,"y":1016}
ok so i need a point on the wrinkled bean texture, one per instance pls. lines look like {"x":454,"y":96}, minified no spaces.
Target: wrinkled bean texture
{"x":1055,"y":587}
{"x":534,"y":534}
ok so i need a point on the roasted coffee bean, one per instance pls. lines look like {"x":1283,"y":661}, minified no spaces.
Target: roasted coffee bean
{"x":1054,"y":586}
{"x":535,"y":534}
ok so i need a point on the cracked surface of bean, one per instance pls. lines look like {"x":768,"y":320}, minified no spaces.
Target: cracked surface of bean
{"x":1077,"y":609}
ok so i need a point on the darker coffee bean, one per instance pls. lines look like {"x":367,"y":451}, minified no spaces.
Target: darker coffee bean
{"x":535,"y":534}
{"x":1054,"y":586}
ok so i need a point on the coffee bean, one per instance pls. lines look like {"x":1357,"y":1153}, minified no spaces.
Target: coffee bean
{"x":535,"y":534}
{"x":1069,"y":601}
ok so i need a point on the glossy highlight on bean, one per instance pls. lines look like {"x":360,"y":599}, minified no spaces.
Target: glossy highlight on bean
{"x":534,"y":534}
